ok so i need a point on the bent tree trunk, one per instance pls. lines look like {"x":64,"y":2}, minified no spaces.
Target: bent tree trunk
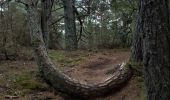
{"x":56,"y":78}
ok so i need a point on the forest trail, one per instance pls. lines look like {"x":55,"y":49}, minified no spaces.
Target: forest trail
{"x":98,"y":68}
{"x":91,"y":68}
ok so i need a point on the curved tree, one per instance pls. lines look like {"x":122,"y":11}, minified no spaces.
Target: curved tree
{"x":55,"y":77}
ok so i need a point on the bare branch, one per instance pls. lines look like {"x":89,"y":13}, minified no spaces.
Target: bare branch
{"x":57,"y":21}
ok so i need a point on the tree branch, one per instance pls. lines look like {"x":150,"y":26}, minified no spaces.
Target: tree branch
{"x":57,"y":21}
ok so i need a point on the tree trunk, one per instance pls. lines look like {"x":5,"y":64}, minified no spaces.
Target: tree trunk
{"x":56,"y":78}
{"x":45,"y":14}
{"x":70,"y":26}
{"x":155,"y":30}
{"x":137,"y":46}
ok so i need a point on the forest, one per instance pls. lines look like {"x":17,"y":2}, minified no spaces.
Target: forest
{"x":84,"y":50}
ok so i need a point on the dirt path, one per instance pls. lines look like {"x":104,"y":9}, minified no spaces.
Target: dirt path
{"x":94,"y":69}
{"x":98,"y":68}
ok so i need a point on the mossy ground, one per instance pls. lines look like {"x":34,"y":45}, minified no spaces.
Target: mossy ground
{"x":20,"y":81}
{"x":137,"y":68}
{"x":21,"y":77}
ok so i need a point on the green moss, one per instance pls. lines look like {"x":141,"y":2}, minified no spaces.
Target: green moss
{"x":143,"y":97}
{"x":143,"y":92}
{"x":32,"y":85}
{"x":140,"y":79}
{"x":137,"y":70}
{"x":121,"y":49}
{"x":26,"y":81}
{"x":24,"y":91}
{"x":56,"y":55}
{"x":68,"y":59}
{"x":3,"y":82}
{"x":136,"y":67}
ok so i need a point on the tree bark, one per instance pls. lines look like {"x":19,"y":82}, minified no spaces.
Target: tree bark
{"x":56,"y":78}
{"x":70,"y":26}
{"x":137,"y":45}
{"x":45,"y":14}
{"x":155,"y":30}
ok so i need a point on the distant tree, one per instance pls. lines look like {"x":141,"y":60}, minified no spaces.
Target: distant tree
{"x":9,"y":40}
{"x":70,"y":25}
{"x":45,"y":15}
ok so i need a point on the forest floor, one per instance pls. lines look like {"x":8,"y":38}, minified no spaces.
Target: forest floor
{"x":20,"y":80}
